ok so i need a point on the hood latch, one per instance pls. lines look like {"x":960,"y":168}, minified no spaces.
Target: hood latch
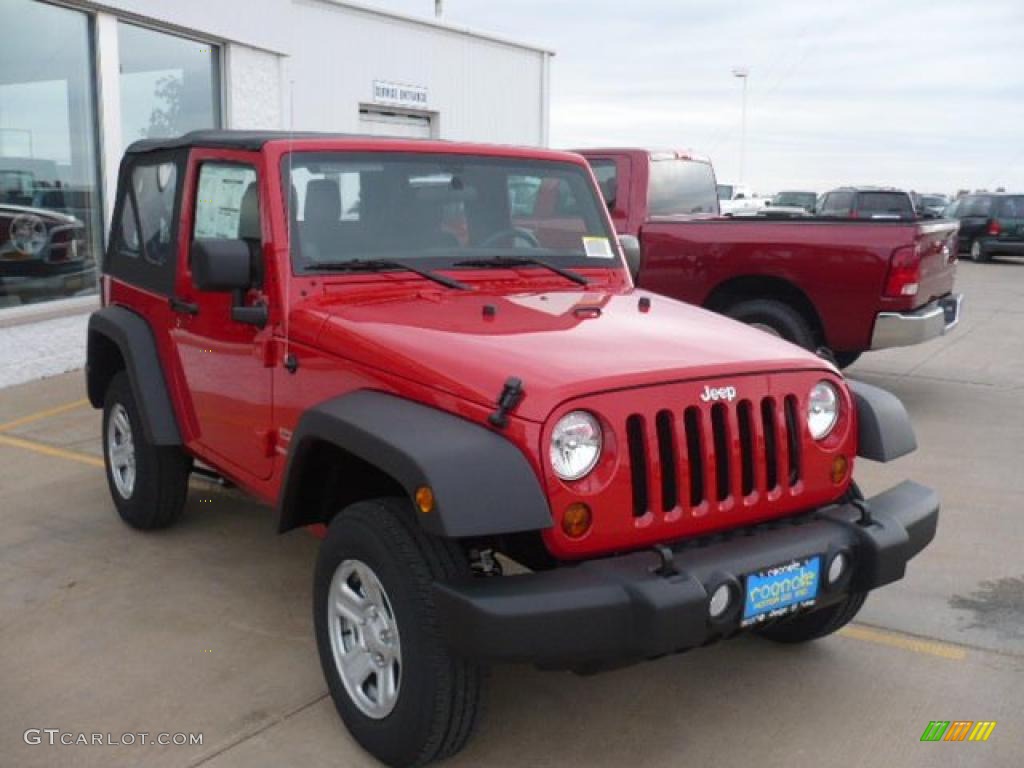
{"x":509,"y":398}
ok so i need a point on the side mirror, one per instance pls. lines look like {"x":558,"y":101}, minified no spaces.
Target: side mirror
{"x":221,"y":264}
{"x":630,"y":245}
{"x":227,"y":265}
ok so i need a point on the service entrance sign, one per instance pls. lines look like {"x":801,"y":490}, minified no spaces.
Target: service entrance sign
{"x":399,"y":94}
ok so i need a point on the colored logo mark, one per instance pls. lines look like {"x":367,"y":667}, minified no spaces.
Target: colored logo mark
{"x":958,"y":730}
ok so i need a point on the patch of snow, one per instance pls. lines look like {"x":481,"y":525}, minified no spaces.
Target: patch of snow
{"x":37,"y":350}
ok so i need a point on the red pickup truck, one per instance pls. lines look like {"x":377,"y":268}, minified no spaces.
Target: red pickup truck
{"x":846,"y":284}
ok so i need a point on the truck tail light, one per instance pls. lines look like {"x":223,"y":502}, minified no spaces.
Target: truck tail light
{"x":994,"y":228}
{"x":904,"y":272}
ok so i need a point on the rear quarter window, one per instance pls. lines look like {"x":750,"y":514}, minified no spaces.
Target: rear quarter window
{"x":1012,"y":207}
{"x":143,"y":247}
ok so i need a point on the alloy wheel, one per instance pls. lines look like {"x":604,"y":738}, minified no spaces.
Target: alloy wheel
{"x":364,"y":639}
{"x":121,"y":451}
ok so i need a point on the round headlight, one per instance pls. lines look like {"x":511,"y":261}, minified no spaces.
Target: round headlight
{"x":575,"y":445}
{"x":822,"y":410}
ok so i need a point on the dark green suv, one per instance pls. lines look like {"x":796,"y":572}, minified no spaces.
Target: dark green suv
{"x":990,"y":224}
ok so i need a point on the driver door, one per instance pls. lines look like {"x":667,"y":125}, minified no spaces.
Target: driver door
{"x":224,"y":361}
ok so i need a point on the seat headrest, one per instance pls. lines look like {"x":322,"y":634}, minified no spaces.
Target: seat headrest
{"x":249,"y":213}
{"x":323,"y":200}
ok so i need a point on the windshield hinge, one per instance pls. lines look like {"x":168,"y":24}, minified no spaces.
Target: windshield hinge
{"x":509,"y":398}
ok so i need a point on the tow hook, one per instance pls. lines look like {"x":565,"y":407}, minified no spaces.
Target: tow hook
{"x":865,"y":513}
{"x":667,"y":567}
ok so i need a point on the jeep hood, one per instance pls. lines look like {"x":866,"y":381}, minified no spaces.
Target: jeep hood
{"x":561,"y":344}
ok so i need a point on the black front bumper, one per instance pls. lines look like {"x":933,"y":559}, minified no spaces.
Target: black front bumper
{"x":627,"y":608}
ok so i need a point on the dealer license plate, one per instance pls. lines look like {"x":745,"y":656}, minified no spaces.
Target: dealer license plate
{"x":781,"y":590}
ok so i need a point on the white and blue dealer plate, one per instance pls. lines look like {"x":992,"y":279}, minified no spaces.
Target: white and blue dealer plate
{"x":780,"y":590}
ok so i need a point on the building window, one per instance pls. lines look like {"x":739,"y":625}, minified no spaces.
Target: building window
{"x":50,"y":220}
{"x":169,"y":85}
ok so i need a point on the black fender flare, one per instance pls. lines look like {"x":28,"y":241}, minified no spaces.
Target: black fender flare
{"x":884,"y":431}
{"x":132,"y":336}
{"x":482,"y":483}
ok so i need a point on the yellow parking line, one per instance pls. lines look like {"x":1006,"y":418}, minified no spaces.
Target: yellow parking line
{"x":40,"y":415}
{"x":905,"y":642}
{"x":50,"y":450}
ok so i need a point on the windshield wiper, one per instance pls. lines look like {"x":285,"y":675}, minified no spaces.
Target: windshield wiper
{"x":378,"y":265}
{"x":522,"y":261}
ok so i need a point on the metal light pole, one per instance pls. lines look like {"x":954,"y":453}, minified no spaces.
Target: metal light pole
{"x":742,"y":73}
{"x":437,"y":8}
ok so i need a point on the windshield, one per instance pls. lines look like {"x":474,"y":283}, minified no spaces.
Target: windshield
{"x":933,"y":201}
{"x":724,"y":191}
{"x":681,"y":187}
{"x":796,"y":199}
{"x":440,"y":209}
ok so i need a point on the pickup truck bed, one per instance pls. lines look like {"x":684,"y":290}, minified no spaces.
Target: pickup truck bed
{"x":840,"y":266}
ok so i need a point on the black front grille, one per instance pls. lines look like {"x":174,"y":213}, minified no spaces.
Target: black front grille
{"x":712,"y":455}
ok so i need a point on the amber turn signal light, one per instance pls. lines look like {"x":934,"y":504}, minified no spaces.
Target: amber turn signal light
{"x":840,"y":466}
{"x":424,"y":499}
{"x":576,"y":520}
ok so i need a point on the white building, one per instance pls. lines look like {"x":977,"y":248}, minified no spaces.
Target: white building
{"x":79,"y":81}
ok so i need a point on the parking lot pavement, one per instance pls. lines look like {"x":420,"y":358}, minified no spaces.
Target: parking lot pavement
{"x":205,"y":628}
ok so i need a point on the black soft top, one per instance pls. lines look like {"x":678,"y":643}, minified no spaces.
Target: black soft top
{"x":244,"y":140}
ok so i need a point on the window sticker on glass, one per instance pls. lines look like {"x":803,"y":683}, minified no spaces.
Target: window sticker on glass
{"x":598,"y":248}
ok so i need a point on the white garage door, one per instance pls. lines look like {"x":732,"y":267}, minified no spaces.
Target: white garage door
{"x":384,"y":122}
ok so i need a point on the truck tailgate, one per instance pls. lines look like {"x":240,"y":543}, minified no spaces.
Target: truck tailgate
{"x":936,"y":243}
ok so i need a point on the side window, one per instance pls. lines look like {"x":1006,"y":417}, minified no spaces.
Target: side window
{"x":827,"y":205}
{"x":841,"y":203}
{"x":144,"y":247}
{"x":227,"y":202}
{"x":607,"y":175}
{"x":977,"y":206}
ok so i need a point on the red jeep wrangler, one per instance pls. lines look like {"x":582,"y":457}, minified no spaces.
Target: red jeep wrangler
{"x":390,"y":342}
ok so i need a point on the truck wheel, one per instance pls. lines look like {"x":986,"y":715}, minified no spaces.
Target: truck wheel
{"x":811,"y":626}
{"x":776,"y":318}
{"x":846,"y":359}
{"x":400,"y":691}
{"x":977,"y":252}
{"x":148,"y":483}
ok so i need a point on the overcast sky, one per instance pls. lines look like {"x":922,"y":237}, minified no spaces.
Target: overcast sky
{"x":926,"y":94}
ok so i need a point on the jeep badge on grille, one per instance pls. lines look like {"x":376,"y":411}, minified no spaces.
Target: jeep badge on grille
{"x":710,"y":394}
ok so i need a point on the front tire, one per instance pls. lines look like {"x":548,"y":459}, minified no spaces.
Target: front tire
{"x":148,"y":483}
{"x":811,"y":626}
{"x":403,"y":695}
{"x":776,"y":318}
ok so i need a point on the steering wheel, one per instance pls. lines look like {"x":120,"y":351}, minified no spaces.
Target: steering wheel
{"x":513,"y":232}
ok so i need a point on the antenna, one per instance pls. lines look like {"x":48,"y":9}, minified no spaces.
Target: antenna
{"x":287,"y":192}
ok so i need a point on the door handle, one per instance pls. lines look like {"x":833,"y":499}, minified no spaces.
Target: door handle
{"x":182,"y":306}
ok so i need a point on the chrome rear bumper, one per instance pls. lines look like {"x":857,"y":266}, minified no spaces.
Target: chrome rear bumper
{"x":902,"y":329}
